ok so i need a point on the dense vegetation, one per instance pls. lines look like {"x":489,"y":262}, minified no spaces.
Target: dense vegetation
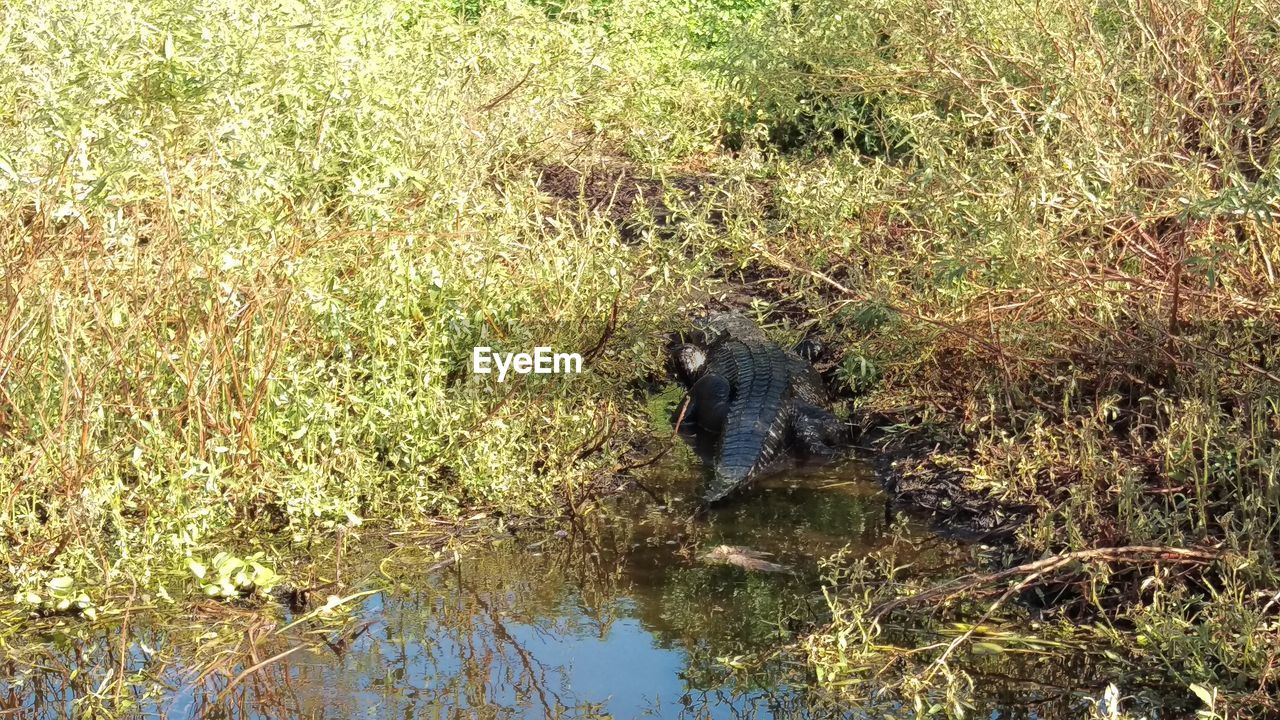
{"x":246,"y":249}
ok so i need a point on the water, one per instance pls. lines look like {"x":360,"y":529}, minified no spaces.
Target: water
{"x":615,"y":616}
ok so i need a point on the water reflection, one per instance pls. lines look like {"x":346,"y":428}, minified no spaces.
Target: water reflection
{"x":615,"y":617}
{"x":612,"y":617}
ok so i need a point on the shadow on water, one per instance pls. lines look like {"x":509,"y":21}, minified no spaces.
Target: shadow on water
{"x":618,"y":615}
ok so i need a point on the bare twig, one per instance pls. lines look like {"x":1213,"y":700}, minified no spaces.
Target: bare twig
{"x":610,"y":326}
{"x":255,"y":668}
{"x":1030,"y":572}
{"x":487,"y":107}
{"x":947,"y":326}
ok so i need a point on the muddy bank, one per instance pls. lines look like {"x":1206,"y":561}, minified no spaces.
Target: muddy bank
{"x":634,"y":200}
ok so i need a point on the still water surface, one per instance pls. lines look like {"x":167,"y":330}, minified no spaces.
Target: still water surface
{"x":614,"y":616}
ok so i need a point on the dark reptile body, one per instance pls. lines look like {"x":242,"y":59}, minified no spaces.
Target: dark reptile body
{"x":768,"y":387}
{"x":755,"y":429}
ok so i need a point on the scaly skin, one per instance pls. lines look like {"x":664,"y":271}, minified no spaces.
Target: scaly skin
{"x":758,"y":399}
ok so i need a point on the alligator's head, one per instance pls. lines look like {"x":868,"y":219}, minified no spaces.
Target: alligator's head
{"x":688,"y":351}
{"x":688,"y":362}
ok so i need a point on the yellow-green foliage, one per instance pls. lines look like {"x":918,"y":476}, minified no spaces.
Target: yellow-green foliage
{"x":1059,"y":240}
{"x":247,"y":249}
{"x":1056,"y":244}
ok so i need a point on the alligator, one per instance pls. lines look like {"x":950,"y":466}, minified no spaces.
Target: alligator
{"x":754,"y":399}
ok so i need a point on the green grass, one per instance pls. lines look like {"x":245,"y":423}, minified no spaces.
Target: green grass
{"x":1065,"y":271}
{"x":244,"y":255}
{"x":247,"y":255}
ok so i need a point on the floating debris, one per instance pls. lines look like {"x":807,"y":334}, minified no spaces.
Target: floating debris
{"x":743,"y":557}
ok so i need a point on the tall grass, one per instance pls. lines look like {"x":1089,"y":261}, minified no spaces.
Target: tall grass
{"x":1049,"y":236}
{"x":247,"y":250}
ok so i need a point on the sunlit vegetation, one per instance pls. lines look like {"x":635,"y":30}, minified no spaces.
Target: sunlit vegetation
{"x":1056,"y":270}
{"x":246,"y":250}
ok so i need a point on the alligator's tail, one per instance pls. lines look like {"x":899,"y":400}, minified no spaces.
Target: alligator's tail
{"x":726,"y":480}
{"x":748,"y":447}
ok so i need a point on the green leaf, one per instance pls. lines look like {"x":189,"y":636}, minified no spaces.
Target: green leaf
{"x":60,"y":583}
{"x":228,"y":564}
{"x":1206,"y":696}
{"x":196,"y":568}
{"x":263,"y":576}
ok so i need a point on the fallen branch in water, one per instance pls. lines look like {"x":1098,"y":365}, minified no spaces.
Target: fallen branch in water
{"x":1030,"y":572}
{"x":743,"y":557}
{"x":249,"y":671}
{"x":1027,"y":575}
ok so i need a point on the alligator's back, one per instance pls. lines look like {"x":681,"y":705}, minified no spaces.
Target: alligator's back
{"x":766,"y":384}
{"x":755,"y":428}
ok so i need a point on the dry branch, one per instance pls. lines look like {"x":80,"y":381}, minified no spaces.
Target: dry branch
{"x":1029,"y":572}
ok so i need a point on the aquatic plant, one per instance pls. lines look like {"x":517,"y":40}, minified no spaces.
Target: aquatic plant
{"x":228,"y":576}
{"x":58,"y":596}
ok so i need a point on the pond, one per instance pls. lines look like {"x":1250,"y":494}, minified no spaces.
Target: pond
{"x":621,"y":614}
